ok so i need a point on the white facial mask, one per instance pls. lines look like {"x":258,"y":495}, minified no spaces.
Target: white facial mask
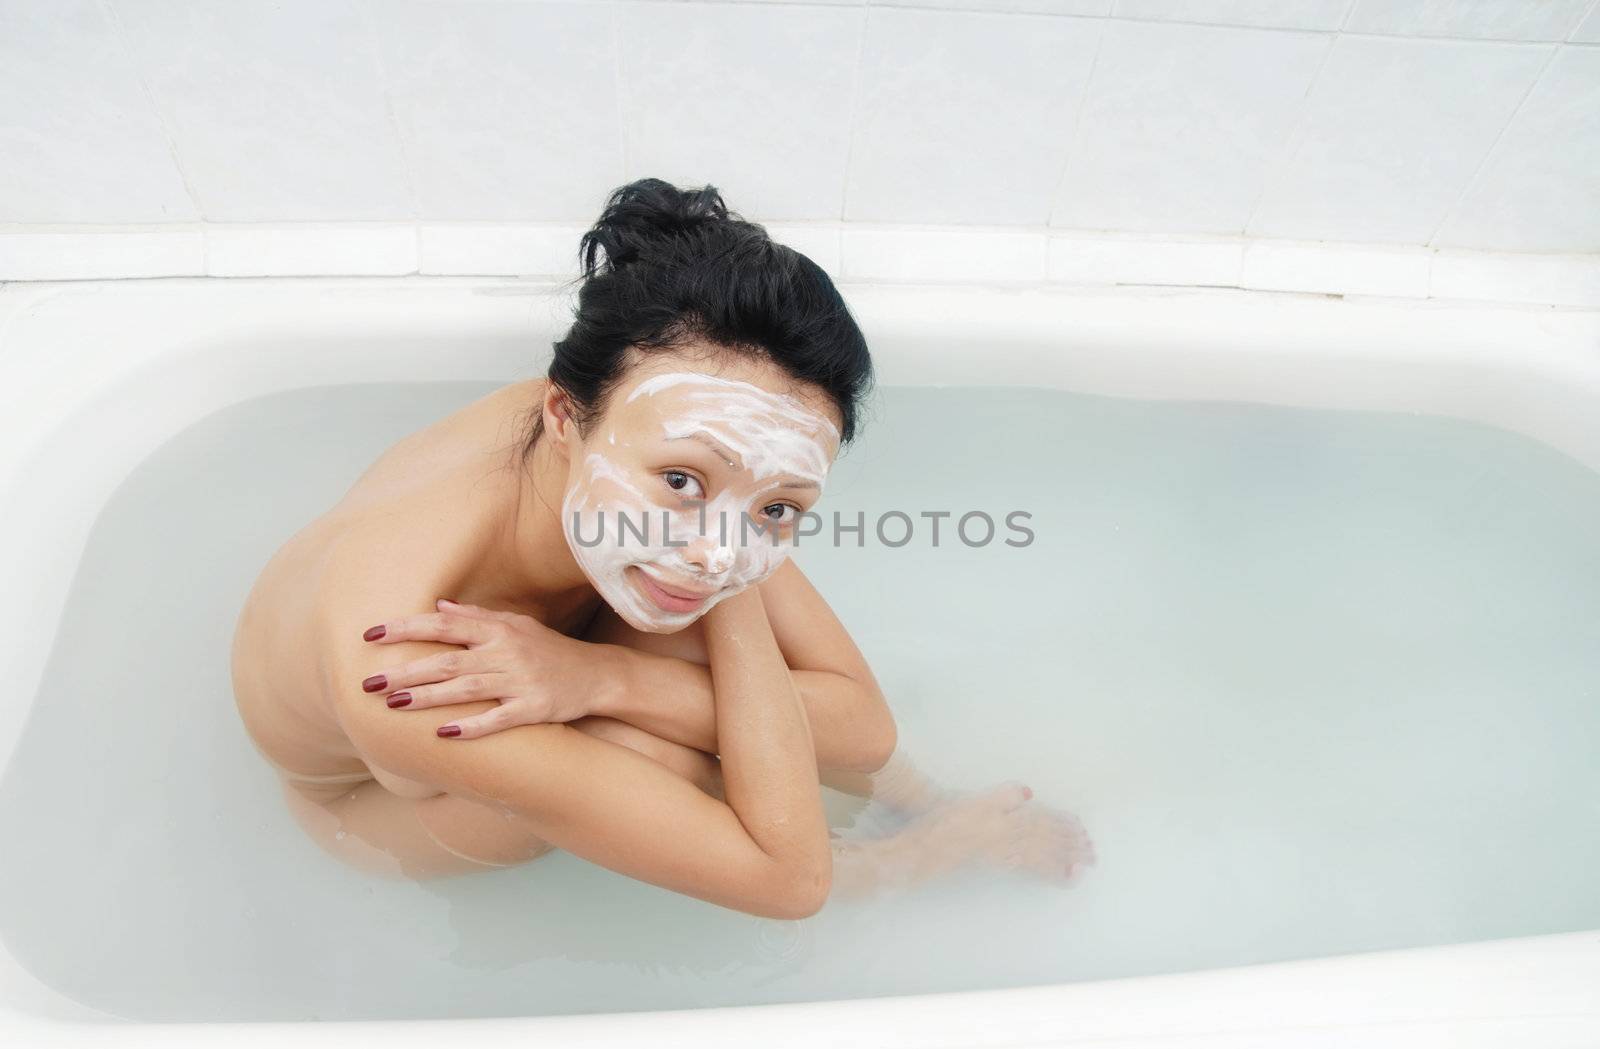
{"x":705,"y":545}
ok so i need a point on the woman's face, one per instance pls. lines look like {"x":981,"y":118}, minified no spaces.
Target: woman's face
{"x":689,"y":487}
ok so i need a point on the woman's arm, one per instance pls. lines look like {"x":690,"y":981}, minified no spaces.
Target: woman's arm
{"x":765,"y":850}
{"x":672,"y":696}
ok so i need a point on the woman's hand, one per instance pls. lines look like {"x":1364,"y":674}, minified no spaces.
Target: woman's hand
{"x":537,"y":674}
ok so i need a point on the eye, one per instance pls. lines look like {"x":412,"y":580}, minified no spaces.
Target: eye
{"x":682,"y":483}
{"x":781,"y":513}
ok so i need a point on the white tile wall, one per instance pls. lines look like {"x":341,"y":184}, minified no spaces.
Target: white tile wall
{"x":78,"y":139}
{"x":1391,"y":135}
{"x":1043,"y":7}
{"x":381,"y":249}
{"x":936,"y":256}
{"x":1280,"y":14}
{"x":551,"y":249}
{"x":505,"y":111}
{"x":503,"y":249}
{"x":753,"y":99}
{"x":1180,"y":124}
{"x":1469,"y":19}
{"x":934,"y":142}
{"x":1589,"y":31}
{"x":82,"y":255}
{"x":1540,"y":190}
{"x":278,"y":107}
{"x":1080,"y":258}
{"x":1291,"y":144}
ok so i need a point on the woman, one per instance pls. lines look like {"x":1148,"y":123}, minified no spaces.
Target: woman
{"x":581,"y":694}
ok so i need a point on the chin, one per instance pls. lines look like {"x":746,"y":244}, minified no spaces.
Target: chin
{"x":649,"y":619}
{"x":668,"y":623}
{"x":664,"y":628}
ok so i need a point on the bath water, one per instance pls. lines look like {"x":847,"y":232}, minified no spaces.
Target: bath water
{"x":1316,"y":682}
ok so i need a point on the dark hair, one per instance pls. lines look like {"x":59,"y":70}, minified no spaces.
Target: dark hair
{"x":680,"y":267}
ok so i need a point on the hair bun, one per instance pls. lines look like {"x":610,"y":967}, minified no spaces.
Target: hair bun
{"x":647,"y":211}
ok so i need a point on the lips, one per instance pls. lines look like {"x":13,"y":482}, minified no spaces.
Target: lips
{"x":672,"y":598}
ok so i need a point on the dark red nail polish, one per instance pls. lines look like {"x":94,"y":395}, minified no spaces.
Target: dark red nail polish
{"x":375,"y":683}
{"x":449,"y":730}
{"x":373,"y":633}
{"x":399,"y":699}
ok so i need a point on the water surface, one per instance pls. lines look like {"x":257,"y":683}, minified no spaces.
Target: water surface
{"x":1316,"y":681}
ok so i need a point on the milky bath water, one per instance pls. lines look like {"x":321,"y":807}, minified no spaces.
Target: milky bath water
{"x":1316,"y":681}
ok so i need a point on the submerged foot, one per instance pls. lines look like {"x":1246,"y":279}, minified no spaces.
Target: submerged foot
{"x":1002,"y":827}
{"x":999,"y":827}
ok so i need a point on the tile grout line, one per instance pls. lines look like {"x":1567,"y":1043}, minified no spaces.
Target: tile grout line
{"x":1350,"y":9}
{"x":391,"y":114}
{"x":850,"y":121}
{"x":119,"y":31}
{"x":1292,"y":142}
{"x":1074,"y":137}
{"x":1594,"y":5}
{"x":619,"y":83}
{"x":1483,"y":162}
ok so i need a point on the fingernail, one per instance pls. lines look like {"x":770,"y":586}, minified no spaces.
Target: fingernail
{"x":399,"y":699}
{"x":447,"y":601}
{"x":373,"y":633}
{"x":1027,"y":792}
{"x":375,"y":683}
{"x":449,"y":730}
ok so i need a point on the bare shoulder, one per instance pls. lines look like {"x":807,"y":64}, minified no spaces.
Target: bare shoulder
{"x":404,"y":751}
{"x":362,"y":587}
{"x":379,"y":570}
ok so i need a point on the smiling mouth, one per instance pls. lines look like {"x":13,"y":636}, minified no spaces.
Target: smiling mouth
{"x":671,"y":598}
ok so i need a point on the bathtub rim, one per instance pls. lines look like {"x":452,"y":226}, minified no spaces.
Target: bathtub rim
{"x":1526,"y":987}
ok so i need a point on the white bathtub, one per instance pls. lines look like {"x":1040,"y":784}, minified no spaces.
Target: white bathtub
{"x":98,"y":374}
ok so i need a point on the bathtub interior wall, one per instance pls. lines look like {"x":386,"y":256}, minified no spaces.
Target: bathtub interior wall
{"x":107,"y":374}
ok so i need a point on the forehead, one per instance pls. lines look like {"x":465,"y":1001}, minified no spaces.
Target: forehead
{"x":735,"y":394}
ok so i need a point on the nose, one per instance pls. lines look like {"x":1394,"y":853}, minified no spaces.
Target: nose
{"x":709,"y":556}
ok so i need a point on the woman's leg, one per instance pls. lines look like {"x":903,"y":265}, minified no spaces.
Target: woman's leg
{"x":381,"y":832}
{"x":944,"y":830}
{"x":375,"y":830}
{"x":899,"y":784}
{"x":999,"y":828}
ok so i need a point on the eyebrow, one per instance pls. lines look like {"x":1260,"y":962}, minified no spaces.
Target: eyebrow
{"x":737,"y":462}
{"x":711,"y":442}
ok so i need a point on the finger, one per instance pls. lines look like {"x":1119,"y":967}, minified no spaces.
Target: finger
{"x":463,"y":689}
{"x":441,"y":666}
{"x":431,"y":626}
{"x":475,"y":611}
{"x":490,"y":721}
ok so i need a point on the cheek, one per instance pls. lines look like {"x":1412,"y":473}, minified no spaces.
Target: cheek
{"x":757,"y":560}
{"x":604,"y":487}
